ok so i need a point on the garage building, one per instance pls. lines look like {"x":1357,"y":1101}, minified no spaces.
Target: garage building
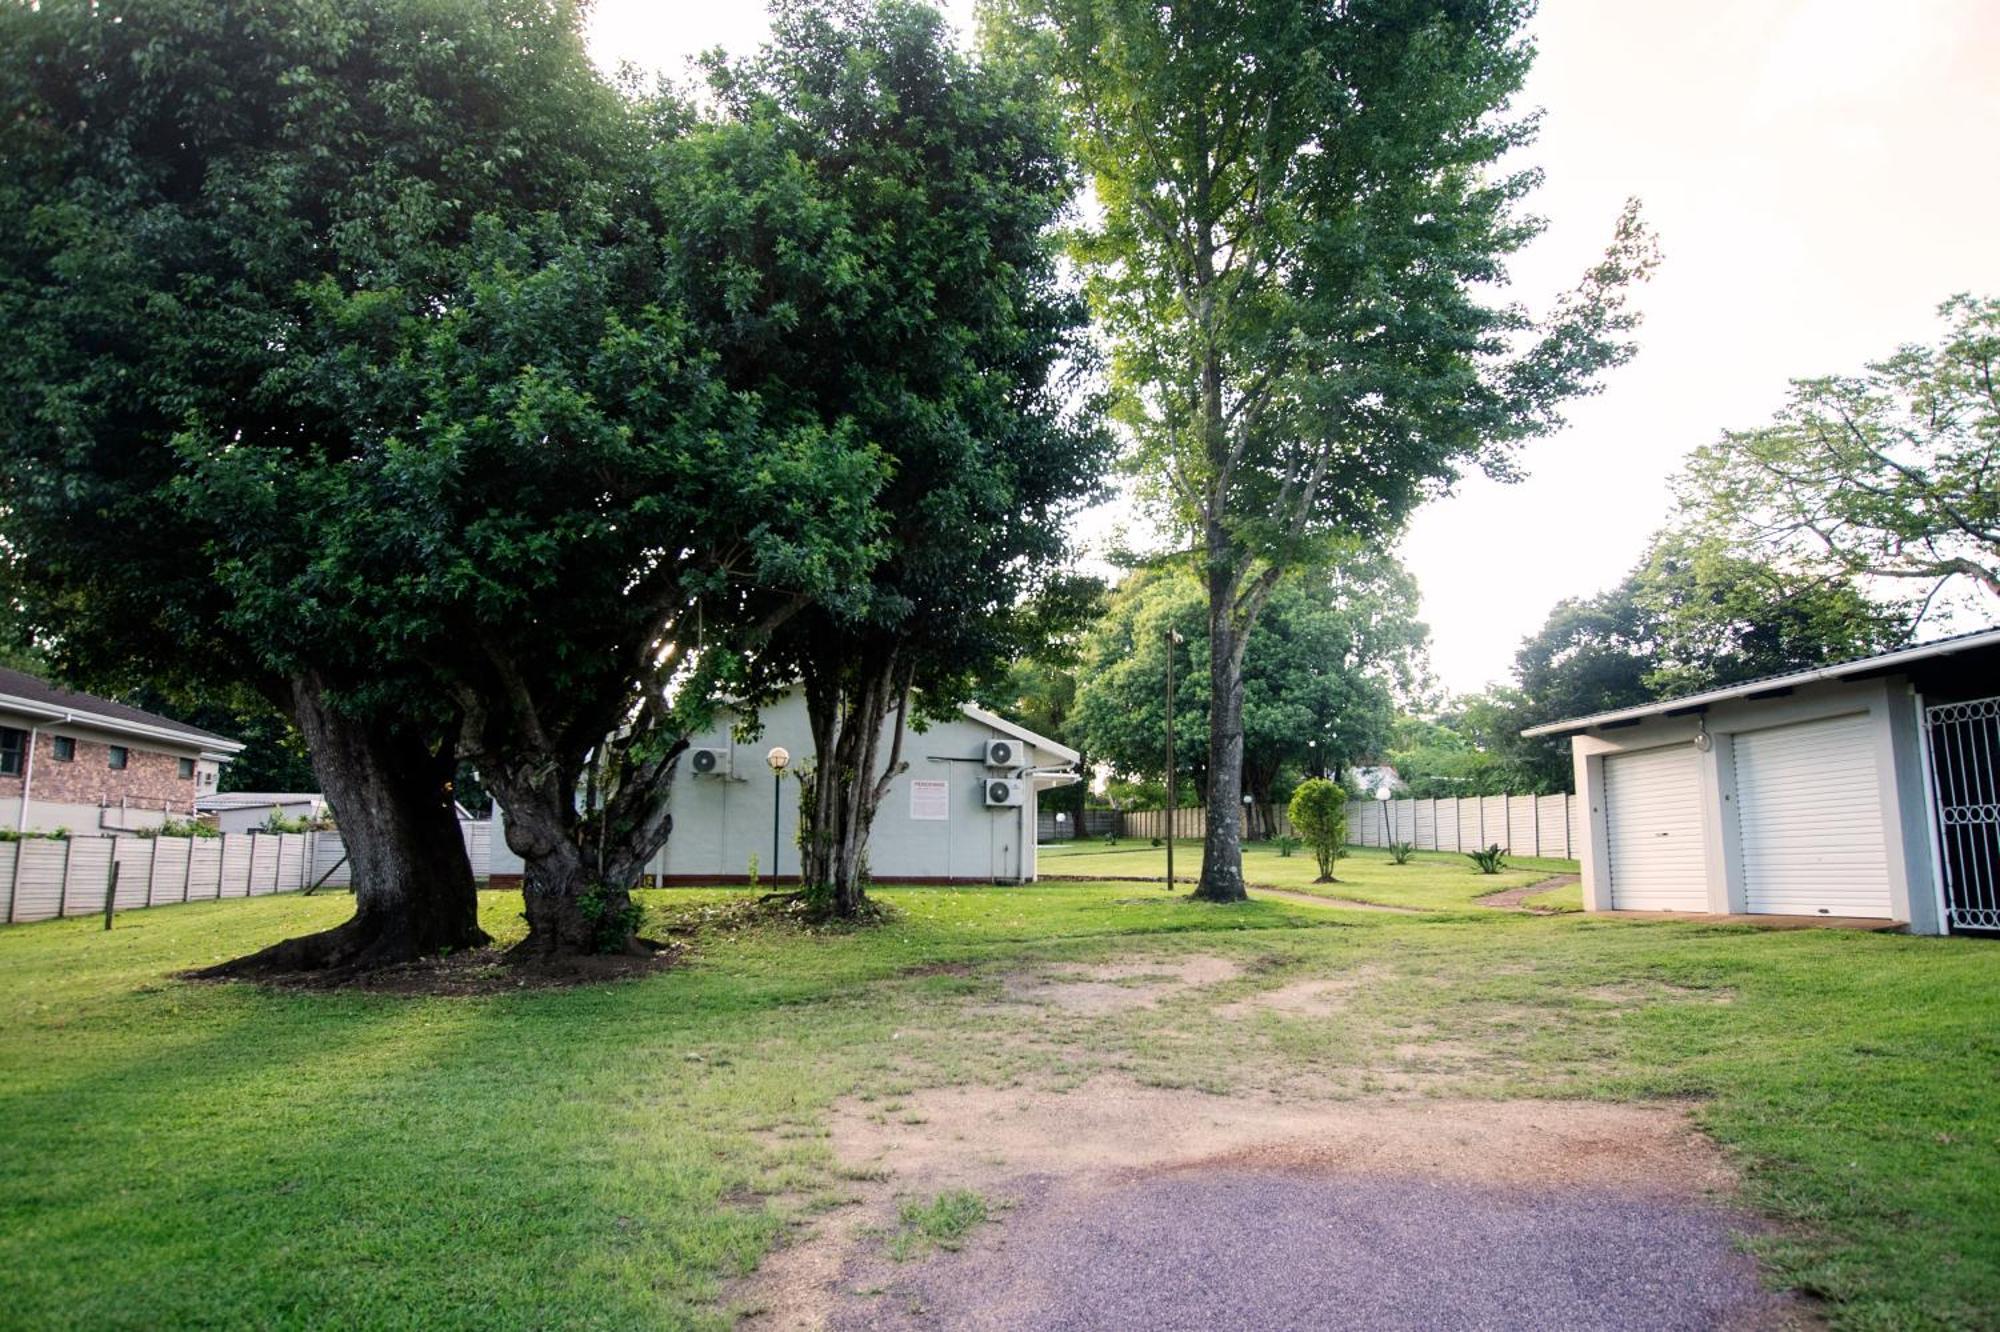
{"x":1869,"y":789}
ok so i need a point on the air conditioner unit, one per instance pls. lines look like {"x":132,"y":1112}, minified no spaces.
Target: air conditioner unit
{"x":709,"y":762}
{"x":1004,"y":792}
{"x":1006,"y":754}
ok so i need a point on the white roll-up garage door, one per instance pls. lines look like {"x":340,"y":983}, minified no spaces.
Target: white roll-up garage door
{"x":1652,"y":820}
{"x":1810,"y":812}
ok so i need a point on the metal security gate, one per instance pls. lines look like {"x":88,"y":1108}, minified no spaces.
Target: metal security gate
{"x":1965,"y":765}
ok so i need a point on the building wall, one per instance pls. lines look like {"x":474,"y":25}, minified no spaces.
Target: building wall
{"x":86,"y":794}
{"x":722,"y":821}
{"x":1887,"y":705}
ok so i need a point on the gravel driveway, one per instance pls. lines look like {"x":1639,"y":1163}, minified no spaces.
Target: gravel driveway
{"x":1263,"y":1249}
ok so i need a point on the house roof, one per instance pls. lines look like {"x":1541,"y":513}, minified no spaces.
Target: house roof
{"x":1019,"y":732}
{"x":1840,"y":670}
{"x":22,"y":692}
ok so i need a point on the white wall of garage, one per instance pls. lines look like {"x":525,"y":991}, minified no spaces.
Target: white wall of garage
{"x":1805,"y":804}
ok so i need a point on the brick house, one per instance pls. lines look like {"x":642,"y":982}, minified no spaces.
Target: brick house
{"x":76,"y":761}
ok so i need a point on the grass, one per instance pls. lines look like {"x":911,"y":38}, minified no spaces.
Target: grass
{"x":942,"y":1223}
{"x":1569,"y":897}
{"x":177,"y":1155}
{"x":1431,"y":881}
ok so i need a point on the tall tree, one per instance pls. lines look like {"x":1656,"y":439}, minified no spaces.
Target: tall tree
{"x":954,"y":347}
{"x":1301,"y":208}
{"x":580,"y":526}
{"x":193,"y":193}
{"x":1321,"y":671}
{"x":1890,"y":474}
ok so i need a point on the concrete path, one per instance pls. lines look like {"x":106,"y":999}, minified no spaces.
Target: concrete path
{"x":1208,"y":1250}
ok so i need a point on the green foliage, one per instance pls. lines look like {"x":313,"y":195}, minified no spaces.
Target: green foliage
{"x":278,"y":822}
{"x":612,"y":915}
{"x":1400,"y":852}
{"x":1890,"y":474}
{"x":32,"y":834}
{"x":1328,"y":654}
{"x":942,"y":1223}
{"x":186,"y":828}
{"x":1490,"y":861}
{"x":1287,"y":844}
{"x":1319,"y":812}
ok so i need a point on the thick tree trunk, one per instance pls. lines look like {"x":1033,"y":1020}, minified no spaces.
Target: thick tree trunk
{"x":391,"y":795}
{"x":1222,"y":845}
{"x":845,"y":787}
{"x":577,"y":873}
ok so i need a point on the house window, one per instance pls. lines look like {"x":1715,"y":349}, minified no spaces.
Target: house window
{"x":116,"y":755}
{"x":186,"y":768}
{"x":13,"y":749}
{"x":64,"y":748}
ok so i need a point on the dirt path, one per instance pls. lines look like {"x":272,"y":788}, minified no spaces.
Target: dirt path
{"x":1121,"y":1206}
{"x":1512,"y":899}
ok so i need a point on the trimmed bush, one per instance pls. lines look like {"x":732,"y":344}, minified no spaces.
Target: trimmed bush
{"x":1319,"y":814}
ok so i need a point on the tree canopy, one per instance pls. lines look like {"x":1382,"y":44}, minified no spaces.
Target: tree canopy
{"x":1323,"y":668}
{"x":949,"y":339}
{"x":1890,"y":474}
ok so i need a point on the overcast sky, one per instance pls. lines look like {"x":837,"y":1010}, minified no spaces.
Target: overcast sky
{"x":1821,"y":172}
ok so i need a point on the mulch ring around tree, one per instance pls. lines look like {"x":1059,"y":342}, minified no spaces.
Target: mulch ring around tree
{"x":475,"y":973}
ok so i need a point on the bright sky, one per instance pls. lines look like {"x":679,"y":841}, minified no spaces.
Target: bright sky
{"x":1821,"y":173}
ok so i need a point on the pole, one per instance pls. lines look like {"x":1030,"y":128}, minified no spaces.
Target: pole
{"x":111,"y":888}
{"x":777,"y":804}
{"x":1172,"y":638}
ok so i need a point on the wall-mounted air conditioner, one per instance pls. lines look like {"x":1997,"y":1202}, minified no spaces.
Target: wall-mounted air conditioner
{"x":1004,"y":792}
{"x":1006,"y":754}
{"x":709,"y":762}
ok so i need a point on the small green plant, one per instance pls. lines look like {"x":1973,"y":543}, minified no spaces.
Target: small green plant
{"x":31,"y":834}
{"x":1287,"y":844}
{"x":1400,"y":852}
{"x":1158,"y":842}
{"x":610,"y":924}
{"x":1319,"y":811}
{"x":942,"y":1223}
{"x":278,"y":823}
{"x":1490,"y":861}
{"x":753,"y":874}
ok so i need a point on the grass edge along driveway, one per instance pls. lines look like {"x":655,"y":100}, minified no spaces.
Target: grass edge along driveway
{"x":175,"y":1154}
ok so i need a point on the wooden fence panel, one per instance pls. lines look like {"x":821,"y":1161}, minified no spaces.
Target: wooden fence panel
{"x":204,"y":881}
{"x":1521,"y":836}
{"x":89,"y":875}
{"x":1552,"y":821}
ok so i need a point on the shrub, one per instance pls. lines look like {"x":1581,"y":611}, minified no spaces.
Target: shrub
{"x":31,"y":834}
{"x":1490,"y":861}
{"x":180,"y":828}
{"x":1288,"y":844}
{"x":1319,"y":813}
{"x":1400,"y":852}
{"x":278,"y":823}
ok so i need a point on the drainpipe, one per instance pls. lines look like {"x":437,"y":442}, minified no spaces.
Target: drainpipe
{"x":27,"y":779}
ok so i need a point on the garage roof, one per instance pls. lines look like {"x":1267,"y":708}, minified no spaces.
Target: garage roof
{"x":1842,"y":670}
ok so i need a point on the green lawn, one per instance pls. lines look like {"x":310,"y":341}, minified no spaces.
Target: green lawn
{"x":183,"y":1155}
{"x":1431,"y":881}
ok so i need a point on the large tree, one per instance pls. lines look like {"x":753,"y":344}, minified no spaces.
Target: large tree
{"x":191,"y":192}
{"x":580,"y":526}
{"x":1890,"y":474}
{"x":1303,"y":213}
{"x":1322,"y":669}
{"x":954,"y":346}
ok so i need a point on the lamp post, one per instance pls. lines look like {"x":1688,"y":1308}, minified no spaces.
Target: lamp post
{"x":1382,"y":794}
{"x":1173,"y":641}
{"x":778,"y":758}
